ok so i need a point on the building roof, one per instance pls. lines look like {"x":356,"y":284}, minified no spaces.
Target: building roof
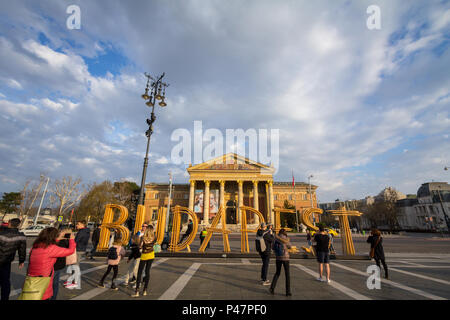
{"x":427,"y":189}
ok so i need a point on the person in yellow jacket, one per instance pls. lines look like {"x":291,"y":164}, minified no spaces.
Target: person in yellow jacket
{"x":147,"y":257}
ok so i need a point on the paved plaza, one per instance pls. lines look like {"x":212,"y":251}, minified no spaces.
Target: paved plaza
{"x":422,"y":275}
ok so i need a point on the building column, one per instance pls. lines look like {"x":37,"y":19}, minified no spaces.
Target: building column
{"x":271,"y":202}
{"x":191,"y":195}
{"x":256,"y":199}
{"x":222,"y":193}
{"x":206,"y":203}
{"x":240,"y":200}
{"x":268,"y":203}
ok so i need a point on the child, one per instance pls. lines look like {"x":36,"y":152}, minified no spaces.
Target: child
{"x":134,"y":258}
{"x":114,"y":257}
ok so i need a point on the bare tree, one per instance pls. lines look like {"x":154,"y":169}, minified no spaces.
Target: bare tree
{"x":29,"y":194}
{"x":66,"y":193}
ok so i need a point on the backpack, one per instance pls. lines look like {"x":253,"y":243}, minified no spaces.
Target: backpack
{"x":112,"y":253}
{"x":278,"y":248}
{"x":147,"y":247}
{"x":260,"y":244}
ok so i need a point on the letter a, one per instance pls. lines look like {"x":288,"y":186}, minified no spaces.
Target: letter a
{"x":219,"y":216}
{"x":374,"y":21}
{"x":73,"y":21}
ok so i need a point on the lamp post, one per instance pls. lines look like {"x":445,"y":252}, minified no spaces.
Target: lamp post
{"x":155,"y":87}
{"x":447,"y":220}
{"x":310,"y":196}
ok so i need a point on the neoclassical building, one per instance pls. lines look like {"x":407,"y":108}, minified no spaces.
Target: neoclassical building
{"x":231,"y":180}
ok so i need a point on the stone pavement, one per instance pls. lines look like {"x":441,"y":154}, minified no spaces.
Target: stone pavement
{"x":412,"y":277}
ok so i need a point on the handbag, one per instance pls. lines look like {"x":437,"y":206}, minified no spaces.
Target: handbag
{"x":34,"y":287}
{"x":157,"y":248}
{"x":372,"y":250}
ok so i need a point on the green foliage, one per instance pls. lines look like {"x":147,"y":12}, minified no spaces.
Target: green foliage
{"x":10,"y":202}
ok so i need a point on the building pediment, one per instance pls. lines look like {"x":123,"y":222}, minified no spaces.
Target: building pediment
{"x":231,"y":162}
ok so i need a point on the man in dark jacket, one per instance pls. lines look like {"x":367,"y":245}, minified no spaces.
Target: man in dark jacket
{"x":81,"y":239}
{"x":95,"y":239}
{"x":264,"y":239}
{"x":376,"y":243}
{"x":11,"y":240}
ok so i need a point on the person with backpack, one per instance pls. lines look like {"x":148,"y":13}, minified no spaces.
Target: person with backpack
{"x":147,"y":257}
{"x":134,"y":258}
{"x":280,"y":247}
{"x":376,"y":250}
{"x":263,"y":244}
{"x":322,"y":250}
{"x":114,"y":255}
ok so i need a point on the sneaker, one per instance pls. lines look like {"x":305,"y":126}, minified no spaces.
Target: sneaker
{"x":135,"y":295}
{"x":101,"y":285}
{"x":327,"y":281}
{"x":144,"y":293}
{"x":125,"y":284}
{"x":266,"y":283}
{"x":113,"y":287}
{"x":65,"y":283}
{"x":133,"y":280}
{"x":319,"y":279}
{"x":72,"y":286}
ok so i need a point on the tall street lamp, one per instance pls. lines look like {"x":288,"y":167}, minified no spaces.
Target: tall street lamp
{"x":155,"y":87}
{"x":310,"y":196}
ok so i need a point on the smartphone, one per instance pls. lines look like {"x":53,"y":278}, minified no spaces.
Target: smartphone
{"x":67,"y":236}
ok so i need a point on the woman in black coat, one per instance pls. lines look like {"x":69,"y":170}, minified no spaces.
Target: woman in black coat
{"x":376,"y":241}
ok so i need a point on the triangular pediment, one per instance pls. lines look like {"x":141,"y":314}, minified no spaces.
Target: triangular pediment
{"x":230,"y":161}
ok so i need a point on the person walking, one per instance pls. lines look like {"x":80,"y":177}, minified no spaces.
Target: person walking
{"x":281,"y":245}
{"x":377,"y":251}
{"x":11,"y":240}
{"x":63,"y":242}
{"x":147,"y":257}
{"x":263,"y":244}
{"x":43,"y":256}
{"x":322,"y":250}
{"x":190,"y":226}
{"x":82,"y":240}
{"x":133,"y":260}
{"x":332,"y":251}
{"x":95,"y":240}
{"x":115,"y":254}
{"x":203,"y":234}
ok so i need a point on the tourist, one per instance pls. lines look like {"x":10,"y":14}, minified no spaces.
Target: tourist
{"x":43,"y":256}
{"x":141,"y":232}
{"x":203,"y":234}
{"x":133,"y":259}
{"x":63,"y":242}
{"x":11,"y":240}
{"x":322,"y":251}
{"x":82,"y":240}
{"x":308,"y":238}
{"x":281,"y":245}
{"x":330,"y":235}
{"x":263,"y":243}
{"x":190,"y":226}
{"x":95,"y":239}
{"x":377,"y":251}
{"x":147,"y":257}
{"x":115,"y":254}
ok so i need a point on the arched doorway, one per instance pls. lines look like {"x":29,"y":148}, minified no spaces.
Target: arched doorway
{"x":231,"y":212}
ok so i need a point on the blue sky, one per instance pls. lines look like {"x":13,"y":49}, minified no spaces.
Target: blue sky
{"x":359,"y":109}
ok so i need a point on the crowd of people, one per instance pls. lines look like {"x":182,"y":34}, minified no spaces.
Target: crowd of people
{"x":56,"y":249}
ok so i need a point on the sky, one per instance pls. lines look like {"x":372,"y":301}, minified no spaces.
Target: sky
{"x":359,"y":109}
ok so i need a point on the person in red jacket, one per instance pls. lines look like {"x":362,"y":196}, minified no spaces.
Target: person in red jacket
{"x":43,"y":256}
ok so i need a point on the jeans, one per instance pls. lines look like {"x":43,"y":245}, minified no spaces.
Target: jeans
{"x":56,"y":277}
{"x":384,"y":266}
{"x":280,"y":263}
{"x":115,"y":269}
{"x":132,"y":269}
{"x":77,"y":274}
{"x":147,"y":264}
{"x":265,"y":266}
{"x":5,"y":282}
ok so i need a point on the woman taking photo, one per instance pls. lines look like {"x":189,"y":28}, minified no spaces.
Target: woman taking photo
{"x":281,"y":246}
{"x":376,"y":249}
{"x":43,"y":256}
{"x":147,"y":257}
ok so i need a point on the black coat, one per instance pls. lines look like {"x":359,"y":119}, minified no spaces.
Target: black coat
{"x":95,"y":235}
{"x":379,"y":251}
{"x":61,"y":262}
{"x":11,"y":240}
{"x":82,"y":239}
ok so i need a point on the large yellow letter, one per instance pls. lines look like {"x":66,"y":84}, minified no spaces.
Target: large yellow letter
{"x":174,"y":246}
{"x":220,"y":215}
{"x":108,"y":223}
{"x":161,"y":225}
{"x":244,"y":231}
{"x":140,"y":216}
{"x":306,"y":217}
